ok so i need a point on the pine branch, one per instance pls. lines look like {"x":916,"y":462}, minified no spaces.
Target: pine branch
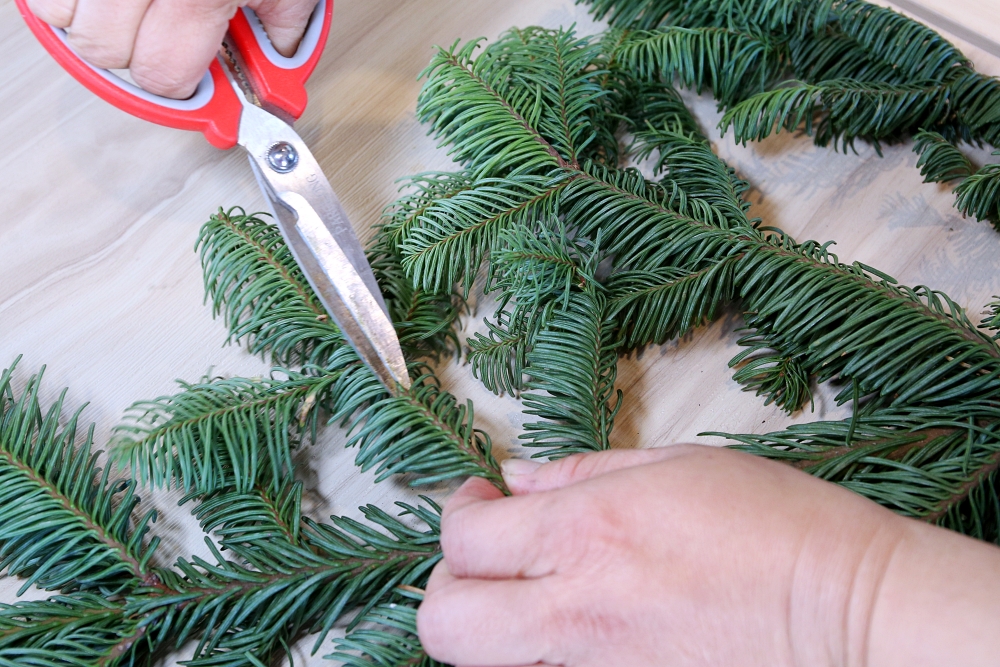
{"x":64,"y":523}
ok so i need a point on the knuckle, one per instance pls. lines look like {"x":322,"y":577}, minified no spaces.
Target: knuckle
{"x":432,"y":625}
{"x":58,"y":13}
{"x":453,"y":540}
{"x":575,"y":467}
{"x":99,"y":52}
{"x":588,"y":531}
{"x":162,"y":81}
{"x":573,"y":621}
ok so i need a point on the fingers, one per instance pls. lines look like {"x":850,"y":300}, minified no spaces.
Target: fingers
{"x":167,"y":44}
{"x":488,"y":536}
{"x":57,"y":13}
{"x":176,"y":42}
{"x":284,"y":21}
{"x":103,"y":33}
{"x":472,"y":621}
{"x":524,"y":479}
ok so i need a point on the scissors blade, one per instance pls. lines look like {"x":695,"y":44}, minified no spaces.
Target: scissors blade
{"x":322,"y":241}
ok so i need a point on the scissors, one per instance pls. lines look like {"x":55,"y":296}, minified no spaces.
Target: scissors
{"x":249,"y":97}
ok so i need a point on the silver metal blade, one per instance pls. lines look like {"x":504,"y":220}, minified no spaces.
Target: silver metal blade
{"x":322,"y":241}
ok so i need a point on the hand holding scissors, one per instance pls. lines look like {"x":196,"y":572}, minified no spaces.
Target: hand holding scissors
{"x":249,"y":96}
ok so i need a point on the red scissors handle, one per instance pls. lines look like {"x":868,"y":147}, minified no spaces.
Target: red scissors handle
{"x":214,"y":109}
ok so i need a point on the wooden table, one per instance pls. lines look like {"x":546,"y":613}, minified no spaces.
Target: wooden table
{"x":99,"y":281}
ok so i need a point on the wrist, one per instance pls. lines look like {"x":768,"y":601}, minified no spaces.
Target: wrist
{"x":938,"y":602}
{"x":837,"y":582}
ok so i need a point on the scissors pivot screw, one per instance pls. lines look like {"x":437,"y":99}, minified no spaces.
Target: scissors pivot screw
{"x":282,"y":157}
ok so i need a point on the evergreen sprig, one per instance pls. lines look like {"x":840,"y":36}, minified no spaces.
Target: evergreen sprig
{"x":588,"y":259}
{"x":679,"y":250}
{"x":275,"y":577}
{"x":840,"y":70}
{"x":65,"y":524}
{"x":388,"y":639}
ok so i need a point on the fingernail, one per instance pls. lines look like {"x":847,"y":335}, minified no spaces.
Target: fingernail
{"x":515,"y":467}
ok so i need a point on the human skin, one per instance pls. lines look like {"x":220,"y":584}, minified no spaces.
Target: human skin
{"x":691,"y":555}
{"x":166,"y":44}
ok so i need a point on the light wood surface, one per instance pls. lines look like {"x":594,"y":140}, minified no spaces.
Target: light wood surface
{"x":100,"y":213}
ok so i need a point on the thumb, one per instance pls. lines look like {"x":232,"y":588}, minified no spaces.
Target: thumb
{"x":284,"y":21}
{"x":525,"y":477}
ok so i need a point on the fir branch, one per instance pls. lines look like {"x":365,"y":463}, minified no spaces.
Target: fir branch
{"x":387,"y":638}
{"x":655,"y":306}
{"x":940,"y":161}
{"x":732,"y":64}
{"x":774,"y":15}
{"x":771,"y":373}
{"x":455,"y":234}
{"x":499,"y":357}
{"x":64,"y":524}
{"x":711,"y":190}
{"x":914,"y":49}
{"x":464,"y":101}
{"x":427,"y":432}
{"x":830,"y":54}
{"x":553,"y":85}
{"x":574,"y":361}
{"x":977,"y":105}
{"x":979,"y":194}
{"x":76,"y":629}
{"x":257,"y":607}
{"x":224,"y":432}
{"x":534,"y":263}
{"x":939,"y":465}
{"x":418,"y":192}
{"x":660,"y":106}
{"x":992,"y":320}
{"x":423,"y":319}
{"x":245,"y":522}
{"x":253,"y":281}
{"x":846,"y":109}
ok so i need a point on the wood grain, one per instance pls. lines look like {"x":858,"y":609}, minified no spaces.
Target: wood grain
{"x":99,"y":281}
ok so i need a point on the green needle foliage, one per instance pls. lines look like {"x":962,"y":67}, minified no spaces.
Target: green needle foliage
{"x":613,"y":261}
{"x":587,"y":259}
{"x":839,"y":70}
{"x":389,"y":640}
